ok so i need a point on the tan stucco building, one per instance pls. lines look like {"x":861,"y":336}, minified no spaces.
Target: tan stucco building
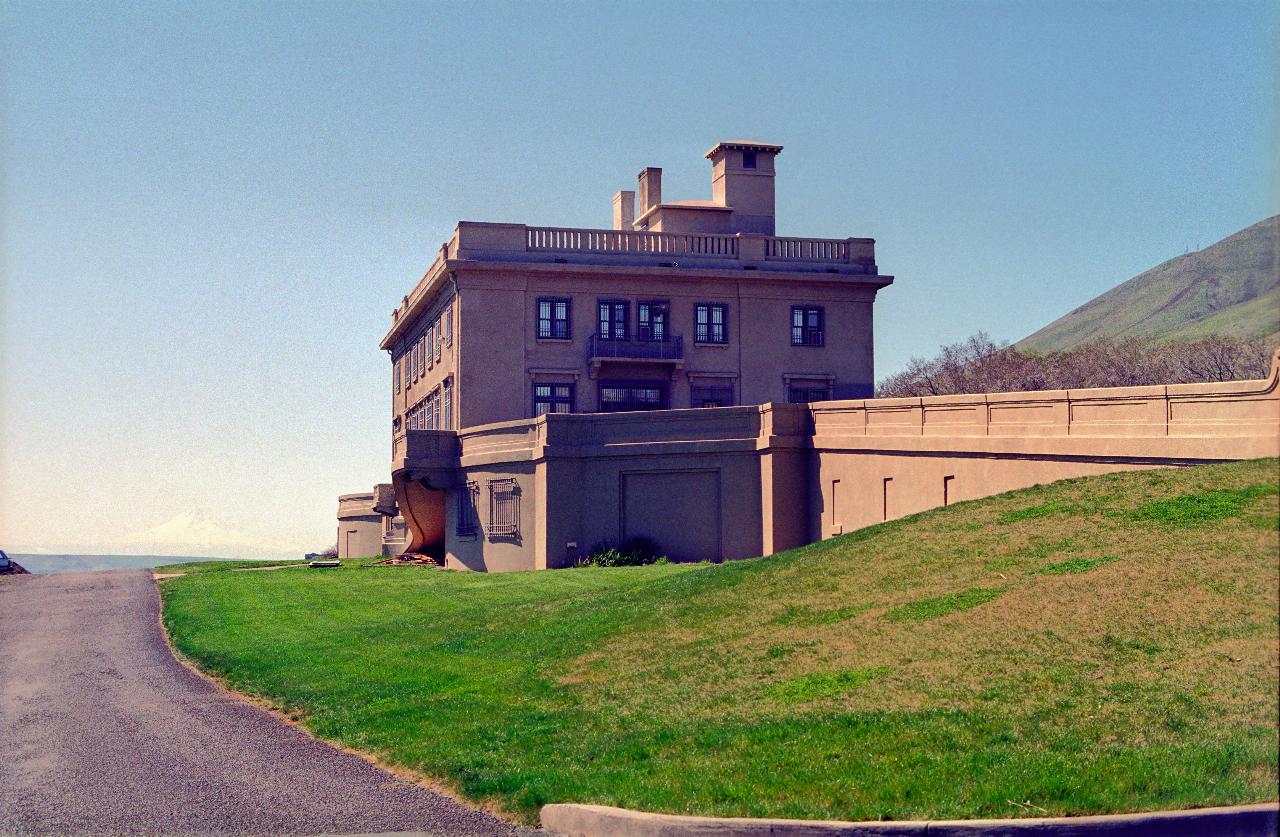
{"x":549,"y":389}
{"x":369,"y":524}
{"x":683,"y":304}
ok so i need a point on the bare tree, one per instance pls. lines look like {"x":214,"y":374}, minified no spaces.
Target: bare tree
{"x":980,"y":364}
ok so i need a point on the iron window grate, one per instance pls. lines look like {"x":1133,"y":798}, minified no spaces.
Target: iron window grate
{"x":504,"y":509}
{"x":468,"y":524}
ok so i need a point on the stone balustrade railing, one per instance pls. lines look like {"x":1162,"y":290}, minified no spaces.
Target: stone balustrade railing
{"x":473,"y":240}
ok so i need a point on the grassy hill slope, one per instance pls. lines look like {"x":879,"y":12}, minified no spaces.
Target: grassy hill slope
{"x":1095,"y":645}
{"x":1231,"y":288}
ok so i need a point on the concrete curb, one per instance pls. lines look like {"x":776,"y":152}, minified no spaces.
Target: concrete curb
{"x":600,"y":820}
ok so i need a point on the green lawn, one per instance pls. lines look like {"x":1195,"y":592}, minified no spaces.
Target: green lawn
{"x":222,"y":566}
{"x":1096,"y":645}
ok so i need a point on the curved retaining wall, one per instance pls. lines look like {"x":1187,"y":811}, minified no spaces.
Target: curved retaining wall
{"x":603,"y":821}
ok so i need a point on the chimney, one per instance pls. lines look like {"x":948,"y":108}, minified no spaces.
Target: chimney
{"x":624,"y":210}
{"x":650,"y":188}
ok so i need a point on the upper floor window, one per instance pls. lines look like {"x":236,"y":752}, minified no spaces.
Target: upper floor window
{"x":448,"y":324}
{"x":552,"y":398}
{"x":711,"y":323}
{"x":806,"y":325}
{"x":654,"y":318}
{"x":613,"y":319}
{"x":553,"y":318}
{"x":748,"y":159}
{"x":395,"y":373}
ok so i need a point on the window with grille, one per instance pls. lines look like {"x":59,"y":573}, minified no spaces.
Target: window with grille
{"x":447,"y":422}
{"x":806,"y":325}
{"x":553,"y":318}
{"x":804,"y":393}
{"x":621,"y":397}
{"x":711,"y":323}
{"x":552,"y":398}
{"x":613,"y":319}
{"x":437,"y":332}
{"x":468,"y":522}
{"x":504,"y":508}
{"x":711,"y":396}
{"x":395,"y":373}
{"x":448,"y":324}
{"x":654,"y":318}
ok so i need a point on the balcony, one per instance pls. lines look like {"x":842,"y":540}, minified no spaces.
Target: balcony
{"x":667,"y":351}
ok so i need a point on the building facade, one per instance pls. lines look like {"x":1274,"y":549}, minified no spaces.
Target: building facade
{"x":685,"y":304}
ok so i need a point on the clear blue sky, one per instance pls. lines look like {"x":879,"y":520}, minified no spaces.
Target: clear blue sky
{"x":210,"y":208}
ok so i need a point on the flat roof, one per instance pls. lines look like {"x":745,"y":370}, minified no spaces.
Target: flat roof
{"x":744,"y":145}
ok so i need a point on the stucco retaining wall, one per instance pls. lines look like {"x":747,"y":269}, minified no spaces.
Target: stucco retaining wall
{"x":737,"y":482}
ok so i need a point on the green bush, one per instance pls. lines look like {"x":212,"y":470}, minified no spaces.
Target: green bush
{"x":636,"y":552}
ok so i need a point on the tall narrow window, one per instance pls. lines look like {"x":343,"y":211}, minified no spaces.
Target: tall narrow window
{"x":395,"y":373}
{"x":553,"y":318}
{"x":710,"y":323}
{"x":468,"y":523}
{"x":447,"y":423}
{"x":653,"y":320}
{"x":613,"y":319}
{"x":552,"y":398}
{"x":888,"y":482}
{"x":437,"y":330}
{"x":504,"y":509}
{"x":448,"y":324}
{"x":806,"y":325}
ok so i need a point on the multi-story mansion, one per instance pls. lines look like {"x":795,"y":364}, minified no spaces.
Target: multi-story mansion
{"x":683,"y":304}
{"x":518,"y":353}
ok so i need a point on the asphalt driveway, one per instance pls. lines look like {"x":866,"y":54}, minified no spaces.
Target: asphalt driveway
{"x":102,"y":731}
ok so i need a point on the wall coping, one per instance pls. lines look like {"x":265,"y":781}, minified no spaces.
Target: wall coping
{"x":571,"y":820}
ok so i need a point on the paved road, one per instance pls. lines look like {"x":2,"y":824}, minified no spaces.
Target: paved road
{"x":103,"y":732}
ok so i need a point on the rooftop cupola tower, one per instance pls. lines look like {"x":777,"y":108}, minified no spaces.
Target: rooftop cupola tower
{"x":742,"y":178}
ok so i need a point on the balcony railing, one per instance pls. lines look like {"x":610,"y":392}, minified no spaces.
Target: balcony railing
{"x":568,"y":240}
{"x":672,"y":348}
{"x":806,"y":249}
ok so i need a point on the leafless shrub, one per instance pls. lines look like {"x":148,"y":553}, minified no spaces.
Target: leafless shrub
{"x":980,"y":364}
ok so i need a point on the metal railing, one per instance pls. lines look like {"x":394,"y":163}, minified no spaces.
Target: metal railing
{"x":671,"y":348}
